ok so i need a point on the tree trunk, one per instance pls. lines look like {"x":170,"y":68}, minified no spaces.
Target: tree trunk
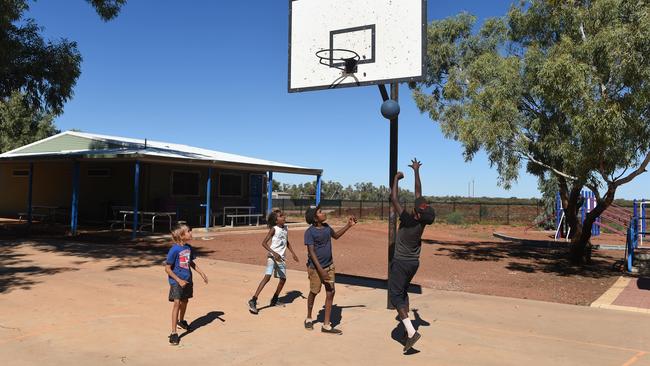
{"x":580,"y":250}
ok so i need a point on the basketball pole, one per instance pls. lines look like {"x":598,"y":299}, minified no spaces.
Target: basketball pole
{"x":392,"y":170}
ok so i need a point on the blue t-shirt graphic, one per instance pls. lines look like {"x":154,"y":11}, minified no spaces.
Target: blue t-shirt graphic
{"x":321,"y":239}
{"x":180,"y":257}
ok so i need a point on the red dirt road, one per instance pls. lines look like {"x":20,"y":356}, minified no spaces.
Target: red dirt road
{"x":456,"y":258}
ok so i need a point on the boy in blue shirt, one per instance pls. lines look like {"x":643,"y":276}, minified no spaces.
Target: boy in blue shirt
{"x":179,"y":265}
{"x":321,"y":264}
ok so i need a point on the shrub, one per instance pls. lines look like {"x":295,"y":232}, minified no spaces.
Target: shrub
{"x":455,"y":218}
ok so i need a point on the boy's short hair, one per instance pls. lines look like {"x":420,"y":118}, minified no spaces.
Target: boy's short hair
{"x":310,"y":214}
{"x":179,"y":231}
{"x":426,"y":212}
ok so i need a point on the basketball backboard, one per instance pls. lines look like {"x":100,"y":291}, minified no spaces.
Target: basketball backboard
{"x":387,"y":38}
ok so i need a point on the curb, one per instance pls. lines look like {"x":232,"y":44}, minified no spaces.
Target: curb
{"x":552,"y":243}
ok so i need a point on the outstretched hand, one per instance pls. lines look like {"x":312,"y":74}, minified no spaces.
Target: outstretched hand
{"x":415,"y":164}
{"x":352,"y":220}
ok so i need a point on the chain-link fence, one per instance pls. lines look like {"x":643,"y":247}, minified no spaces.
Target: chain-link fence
{"x":476,"y":212}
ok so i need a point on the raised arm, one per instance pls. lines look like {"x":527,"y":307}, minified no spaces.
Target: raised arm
{"x":394,"y":199}
{"x":351,"y":222}
{"x":415,"y":164}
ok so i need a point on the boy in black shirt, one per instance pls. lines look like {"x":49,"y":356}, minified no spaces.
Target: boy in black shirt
{"x":406,"y":259}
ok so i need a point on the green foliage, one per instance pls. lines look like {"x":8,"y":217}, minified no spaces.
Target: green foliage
{"x":563,"y":86}
{"x":44,"y":71}
{"x":365,"y":191}
{"x":560,"y":86}
{"x":455,"y":218}
{"x":20,"y":125}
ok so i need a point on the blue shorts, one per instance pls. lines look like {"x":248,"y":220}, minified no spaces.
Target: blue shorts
{"x":277,"y":269}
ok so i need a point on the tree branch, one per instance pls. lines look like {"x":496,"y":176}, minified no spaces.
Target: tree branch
{"x":640,"y":170}
{"x":565,"y":175}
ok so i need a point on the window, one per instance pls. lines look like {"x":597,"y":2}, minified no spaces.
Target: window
{"x":99,"y":173}
{"x":185,"y":183}
{"x":20,"y":173}
{"x":230,"y":185}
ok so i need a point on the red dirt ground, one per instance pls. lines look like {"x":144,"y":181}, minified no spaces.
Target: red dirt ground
{"x":457,"y":258}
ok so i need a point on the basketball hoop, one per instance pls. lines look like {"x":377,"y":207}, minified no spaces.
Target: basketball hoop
{"x":339,"y":58}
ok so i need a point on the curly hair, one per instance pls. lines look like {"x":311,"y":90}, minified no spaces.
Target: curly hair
{"x":272,"y":220}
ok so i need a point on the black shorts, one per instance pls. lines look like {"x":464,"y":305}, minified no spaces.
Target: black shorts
{"x":176,"y":292}
{"x":401,"y":274}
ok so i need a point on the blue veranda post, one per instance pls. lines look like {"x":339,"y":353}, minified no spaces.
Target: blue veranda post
{"x":392,"y":170}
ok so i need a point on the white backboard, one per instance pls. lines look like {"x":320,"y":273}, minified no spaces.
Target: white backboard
{"x":388,"y":35}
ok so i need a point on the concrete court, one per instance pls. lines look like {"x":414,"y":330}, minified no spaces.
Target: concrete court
{"x":97,"y":312}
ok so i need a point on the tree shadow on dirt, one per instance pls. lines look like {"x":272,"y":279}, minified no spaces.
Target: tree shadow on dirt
{"x":528,"y":258}
{"x":18,"y":271}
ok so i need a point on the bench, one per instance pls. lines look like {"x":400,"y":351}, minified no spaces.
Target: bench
{"x":249,"y":216}
{"x":39,"y":217}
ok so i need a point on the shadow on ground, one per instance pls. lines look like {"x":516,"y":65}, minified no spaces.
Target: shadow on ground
{"x":370,"y":282}
{"x":336,"y":315}
{"x":18,"y":271}
{"x":202,"y":321}
{"x":398,"y":334}
{"x":527,"y":258}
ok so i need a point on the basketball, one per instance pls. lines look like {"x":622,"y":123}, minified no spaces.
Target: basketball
{"x":390,"y":109}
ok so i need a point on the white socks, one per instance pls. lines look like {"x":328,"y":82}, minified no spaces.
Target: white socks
{"x":409,"y":327}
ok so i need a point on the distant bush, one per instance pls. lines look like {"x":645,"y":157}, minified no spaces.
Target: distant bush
{"x":455,"y":218}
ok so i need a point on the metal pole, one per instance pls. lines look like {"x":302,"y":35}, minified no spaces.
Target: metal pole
{"x":318,"y":189}
{"x":136,"y":197}
{"x":208,"y":190}
{"x":75,"y":199}
{"x":29,"y":195}
{"x":392,"y":218}
{"x":269,"y":194}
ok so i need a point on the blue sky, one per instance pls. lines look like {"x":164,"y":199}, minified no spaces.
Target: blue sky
{"x":213,"y":74}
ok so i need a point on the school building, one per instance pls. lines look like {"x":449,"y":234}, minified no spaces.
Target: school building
{"x":75,"y":177}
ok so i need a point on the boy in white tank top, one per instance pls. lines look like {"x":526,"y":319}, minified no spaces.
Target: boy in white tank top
{"x":275,"y":264}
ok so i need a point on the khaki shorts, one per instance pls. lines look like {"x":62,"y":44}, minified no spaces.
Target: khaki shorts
{"x":315,"y":282}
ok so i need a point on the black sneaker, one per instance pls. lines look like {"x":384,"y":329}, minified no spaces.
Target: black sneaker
{"x":275,"y":301}
{"x":252,"y":306}
{"x":332,"y":330}
{"x":183,"y":324}
{"x":309,"y":324}
{"x":174,"y":339}
{"x":410,"y":341}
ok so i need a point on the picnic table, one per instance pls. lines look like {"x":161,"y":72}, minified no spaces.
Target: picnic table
{"x":146,"y":214}
{"x":237,"y":212}
{"x":43,"y":212}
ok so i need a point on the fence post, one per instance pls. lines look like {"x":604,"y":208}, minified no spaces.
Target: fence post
{"x":360,"y":208}
{"x":382,"y":210}
{"x":340,"y":204}
{"x":479,"y":212}
{"x":453,"y":209}
{"x":508,"y":213}
{"x":283,"y":204}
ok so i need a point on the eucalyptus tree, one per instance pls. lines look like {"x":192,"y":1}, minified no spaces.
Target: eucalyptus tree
{"x":560,"y":86}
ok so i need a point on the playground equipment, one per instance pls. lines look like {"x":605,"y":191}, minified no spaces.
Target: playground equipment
{"x":639,"y":212}
{"x":614,"y":219}
{"x":588,"y":204}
